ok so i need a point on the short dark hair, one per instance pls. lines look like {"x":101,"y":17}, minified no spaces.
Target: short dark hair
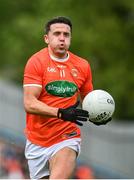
{"x":59,"y":19}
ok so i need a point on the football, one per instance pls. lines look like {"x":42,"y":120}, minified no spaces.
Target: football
{"x":100,"y":105}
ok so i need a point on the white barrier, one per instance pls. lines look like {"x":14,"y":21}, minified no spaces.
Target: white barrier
{"x":12,"y":115}
{"x":110,"y":147}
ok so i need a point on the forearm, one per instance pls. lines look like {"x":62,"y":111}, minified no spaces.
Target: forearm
{"x":35,"y":106}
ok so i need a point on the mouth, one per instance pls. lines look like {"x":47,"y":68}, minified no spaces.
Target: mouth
{"x":61,"y":46}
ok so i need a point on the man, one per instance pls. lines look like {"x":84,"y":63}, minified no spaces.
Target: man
{"x":53,"y":79}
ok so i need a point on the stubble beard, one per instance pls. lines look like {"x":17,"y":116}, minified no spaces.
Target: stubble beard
{"x":61,"y":52}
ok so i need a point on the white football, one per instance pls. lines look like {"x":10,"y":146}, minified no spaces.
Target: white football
{"x":100,"y":105}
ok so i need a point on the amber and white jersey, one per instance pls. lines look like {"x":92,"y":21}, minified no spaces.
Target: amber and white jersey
{"x":61,"y":82}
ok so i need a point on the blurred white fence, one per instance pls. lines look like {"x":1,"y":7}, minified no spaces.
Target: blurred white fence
{"x":107,"y":148}
{"x":12,"y":115}
{"x":110,"y":148}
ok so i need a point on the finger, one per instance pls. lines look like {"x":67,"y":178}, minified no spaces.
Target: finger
{"x":110,"y":119}
{"x":82,"y":118}
{"x":103,"y":122}
{"x":96,"y":123}
{"x":78,"y":123}
{"x":80,"y":112}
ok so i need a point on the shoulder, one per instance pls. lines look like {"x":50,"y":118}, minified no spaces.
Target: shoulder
{"x":36,"y":61}
{"x":43,"y":53}
{"x":81,"y":64}
{"x":79,"y":60}
{"x":38,"y":57}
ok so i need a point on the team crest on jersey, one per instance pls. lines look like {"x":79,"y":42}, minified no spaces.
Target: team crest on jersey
{"x":61,"y":88}
{"x":74,"y":72}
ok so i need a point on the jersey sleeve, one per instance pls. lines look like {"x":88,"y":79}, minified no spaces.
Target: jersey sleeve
{"x":33,"y":73}
{"x":87,"y":85}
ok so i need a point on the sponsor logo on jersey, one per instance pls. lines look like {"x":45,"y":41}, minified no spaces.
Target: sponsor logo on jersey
{"x":61,"y":88}
{"x":51,"y":69}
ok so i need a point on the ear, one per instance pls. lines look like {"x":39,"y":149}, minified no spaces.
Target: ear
{"x":46,"y":39}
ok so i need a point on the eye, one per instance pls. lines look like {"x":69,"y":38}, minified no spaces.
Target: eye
{"x":57,"y":33}
{"x":66,"y":34}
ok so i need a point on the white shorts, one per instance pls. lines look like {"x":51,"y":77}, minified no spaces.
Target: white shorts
{"x":38,"y":156}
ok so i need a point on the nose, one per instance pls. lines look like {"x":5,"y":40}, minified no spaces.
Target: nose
{"x":61,"y":37}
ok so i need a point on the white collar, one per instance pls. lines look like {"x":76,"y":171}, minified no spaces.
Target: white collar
{"x":59,"y":59}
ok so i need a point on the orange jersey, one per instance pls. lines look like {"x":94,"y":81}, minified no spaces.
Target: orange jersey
{"x":61,"y":82}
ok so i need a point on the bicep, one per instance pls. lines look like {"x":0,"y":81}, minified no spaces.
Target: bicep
{"x":34,"y":106}
{"x":31,"y":93}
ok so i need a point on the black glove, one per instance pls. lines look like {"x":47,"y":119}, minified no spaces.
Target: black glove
{"x":72,"y":114}
{"x":101,"y":123}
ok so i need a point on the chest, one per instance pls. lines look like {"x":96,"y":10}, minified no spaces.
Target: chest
{"x":56,"y":71}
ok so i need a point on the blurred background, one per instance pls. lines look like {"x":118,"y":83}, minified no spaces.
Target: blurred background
{"x":103,"y":33}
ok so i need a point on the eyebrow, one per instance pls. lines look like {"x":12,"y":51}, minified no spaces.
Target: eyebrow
{"x":59,"y":32}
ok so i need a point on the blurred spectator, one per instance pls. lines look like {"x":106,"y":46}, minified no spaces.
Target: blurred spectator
{"x":14,"y":170}
{"x":84,"y":172}
{"x":13,"y":164}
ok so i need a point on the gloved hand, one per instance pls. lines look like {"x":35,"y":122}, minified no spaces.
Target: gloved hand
{"x":72,"y":114}
{"x":101,"y":123}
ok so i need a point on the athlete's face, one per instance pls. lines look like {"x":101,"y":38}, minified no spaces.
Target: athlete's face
{"x":58,"y":39}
